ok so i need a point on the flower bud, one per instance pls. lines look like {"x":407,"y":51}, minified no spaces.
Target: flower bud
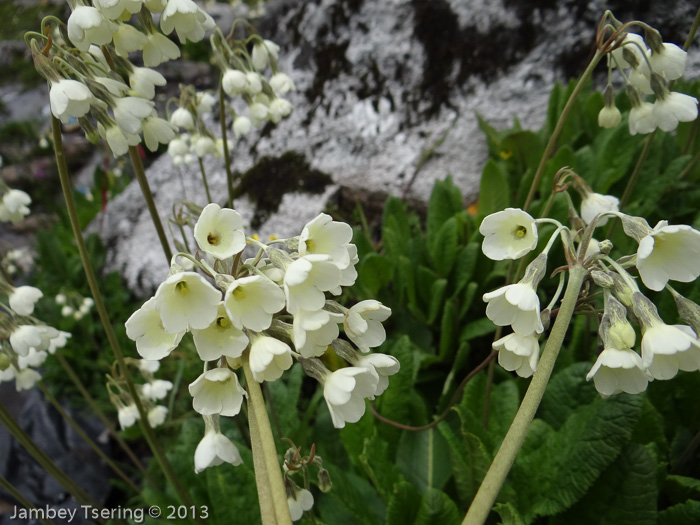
{"x":602,"y":279}
{"x":324,"y":480}
{"x":687,"y":310}
{"x":5,"y":362}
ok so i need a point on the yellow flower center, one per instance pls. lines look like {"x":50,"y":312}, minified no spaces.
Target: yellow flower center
{"x":310,"y":246}
{"x":182,"y":288}
{"x":214,"y":238}
{"x":222,"y":322}
{"x":520,"y":232}
{"x":239,"y":293}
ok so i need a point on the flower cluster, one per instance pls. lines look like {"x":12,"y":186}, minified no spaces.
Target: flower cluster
{"x":72,"y":305}
{"x":268,"y":310}
{"x":647,"y":65}
{"x":300,"y":499}
{"x":14,"y":204}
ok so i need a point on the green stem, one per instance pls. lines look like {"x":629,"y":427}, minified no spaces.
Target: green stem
{"x":105,"y":421}
{"x":12,"y":491}
{"x":204,"y":179}
{"x":268,"y":474}
{"x":498,"y":471}
{"x":148,"y":197}
{"x":227,"y":155}
{"x":693,"y":30}
{"x":557,"y":129}
{"x":104,"y":317}
{"x":119,"y":472}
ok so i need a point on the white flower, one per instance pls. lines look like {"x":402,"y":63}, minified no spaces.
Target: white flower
{"x":156,"y":389}
{"x":619,"y":371}
{"x":157,"y":131}
{"x":262,"y":51}
{"x":669,"y":253}
{"x":117,"y":140}
{"x":185,"y":301}
{"x":58,"y":342}
{"x":147,"y":365}
{"x":363,"y":324}
{"x":251,"y":302}
{"x":674,"y":108}
{"x":205,"y":102}
{"x":157,"y":415}
{"x":33,"y":359}
{"x":159,"y":49}
{"x":177,"y":149}
{"x":301,"y":501}
{"x":669,"y":62}
{"x":203,"y":145}
{"x":253,"y":82}
{"x":312,"y":332}
{"x":69,"y":98}
{"x":345,"y":391}
{"x":86,"y":26}
{"x":508,"y":234}
{"x":143,"y":82}
{"x":596,"y":203}
{"x":217,"y":391}
{"x":215,"y":449}
{"x":668,"y":348}
{"x":632,"y":42}
{"x":258,"y":113}
{"x":306,"y":279}
{"x":128,"y":39}
{"x":279,"y":108}
{"x":322,"y":235}
{"x":609,"y":117}
{"x":233,"y":82}
{"x":23,"y":298}
{"x":218,"y":232}
{"x":155,"y":6}
{"x":187,"y":19}
{"x":113,"y":9}
{"x":384,"y":365}
{"x":516,"y":305}
{"x":26,"y":379}
{"x":130,"y":111}
{"x":128,"y":415}
{"x":518,"y":353}
{"x":281,"y":83}
{"x":14,"y":206}
{"x":241,"y":126}
{"x":145,"y":327}
{"x":115,"y":87}
{"x":220,"y":338}
{"x":182,"y":118}
{"x":25,"y":337}
{"x":642,"y":119}
{"x":269,"y":358}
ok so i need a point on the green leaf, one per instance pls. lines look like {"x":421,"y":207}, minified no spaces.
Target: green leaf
{"x":285,"y":396}
{"x":374,"y":273}
{"x":378,"y":462}
{"x":477,"y":328}
{"x":687,"y":513}
{"x":425,"y":282}
{"x":395,"y":403}
{"x":625,"y":494}
{"x":470,"y":460}
{"x":617,"y":149}
{"x":445,"y":202}
{"x":469,"y":293}
{"x":681,"y":488}
{"x":493,"y":137}
{"x":466,"y":263}
{"x":352,"y":501}
{"x":494,"y":192}
{"x":403,"y":505}
{"x":423,"y":458}
{"x":437,"y":298}
{"x":508,"y":514}
{"x":444,"y":249}
{"x":437,"y":507}
{"x":448,"y":330}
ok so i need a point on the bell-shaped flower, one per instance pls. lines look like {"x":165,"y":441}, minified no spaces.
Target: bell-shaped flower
{"x":669,"y":253}
{"x":203,"y":145}
{"x":157,"y":131}
{"x":69,"y":98}
{"x":674,"y":108}
{"x":642,"y":119}
{"x":143,"y":82}
{"x":312,"y":332}
{"x":26,"y":379}
{"x":115,"y":87}
{"x":23,"y":298}
{"x":157,"y":415}
{"x":159,"y":49}
{"x":25,"y":337}
{"x":251,"y":302}
{"x":148,"y":366}
{"x":234,"y":82}
{"x":145,"y":327}
{"x":262,"y":51}
{"x":609,"y":117}
{"x":204,"y":102}
{"x":307,"y":278}
{"x":669,"y":61}
{"x":218,"y":232}
{"x":186,"y":301}
{"x":281,"y":83}
{"x":187,"y":19}
{"x":384,"y":365}
{"x":117,"y":140}
{"x":217,"y":391}
{"x":278,"y":109}
{"x":128,"y":415}
{"x":324,"y":236}
{"x":155,"y":6}
{"x":113,"y":9}
{"x":596,"y":203}
{"x":253,"y":83}
{"x":518,"y":353}
{"x":345,"y":391}
{"x":269,"y":358}
{"x":33,"y":359}
{"x":618,"y":371}
{"x":129,"y":113}
{"x":220,"y":338}
{"x":58,"y":342}
{"x":156,"y":389}
{"x":241,"y":126}
{"x":182,"y":118}
{"x":633,"y":43}
{"x":215,"y":449}
{"x":300,"y":501}
{"x":258,"y":113}
{"x":128,"y":39}
{"x":516,"y":305}
{"x":363,"y":324}
{"x":86,"y":26}
{"x":14,"y":206}
{"x":508,"y":234}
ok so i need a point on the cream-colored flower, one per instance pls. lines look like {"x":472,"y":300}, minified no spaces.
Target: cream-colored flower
{"x":220,"y":338}
{"x":187,"y":19}
{"x":312,"y":332}
{"x":186,"y":301}
{"x":86,"y":26}
{"x":157,"y":415}
{"x":251,"y":302}
{"x":345,"y":391}
{"x":363,"y":324}
{"x":145,"y":327}
{"x":516,"y":305}
{"x":669,"y":253}
{"x":618,"y":371}
{"x":128,"y":39}
{"x":384,"y":365}
{"x":299,"y":502}
{"x":269,"y":358}
{"x":128,"y":415}
{"x":324,"y":236}
{"x":518,"y":353}
{"x":596,"y":203}
{"x":159,"y":49}
{"x":69,"y":98}
{"x":23,"y":298}
{"x":508,"y":234}
{"x":215,"y":449}
{"x":218,"y":232}
{"x":674,"y":108}
{"x":307,"y":278}
{"x":217,"y":391}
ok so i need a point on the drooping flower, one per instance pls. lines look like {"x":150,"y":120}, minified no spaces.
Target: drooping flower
{"x":157,"y":415}
{"x":23,"y":298}
{"x":157,"y":131}
{"x":269,"y":358}
{"x":384,"y":365}
{"x":618,"y":371}
{"x":218,"y":231}
{"x":251,"y":302}
{"x":220,"y":338}
{"x":86,"y":26}
{"x":241,"y":126}
{"x":642,"y":119}
{"x":233,"y":82}
{"x":518,"y":353}
{"x":69,"y":98}
{"x":299,"y":502}
{"x":363,"y":324}
{"x":144,"y":80}
{"x":128,"y":415}
{"x":345,"y":391}
{"x":185,"y":301}
{"x":117,"y":140}
{"x":262,"y":51}
{"x":113,"y":9}
{"x":516,"y":305}
{"x":187,"y":19}
{"x":128,"y":39}
{"x":159,"y":49}
{"x":217,"y":391}
{"x":669,"y":61}
{"x":307,"y":278}
{"x":156,"y":389}
{"x":674,"y":108}
{"x":215,"y":449}
{"x":312,"y":332}
{"x":596,"y":203}
{"x":281,"y":83}
{"x":145,"y":327}
{"x":324,"y":236}
{"x":14,"y":206}
{"x":25,"y":337}
{"x":253,"y":82}
{"x":609,"y":117}
{"x":508,"y":234}
{"x":182,"y":118}
{"x":129,"y":113}
{"x":669,"y":253}
{"x":278,"y":109}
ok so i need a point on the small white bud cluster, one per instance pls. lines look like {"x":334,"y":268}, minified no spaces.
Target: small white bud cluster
{"x":235,"y":310}
{"x":73,"y":305}
{"x":14,"y":204}
{"x":150,"y":392}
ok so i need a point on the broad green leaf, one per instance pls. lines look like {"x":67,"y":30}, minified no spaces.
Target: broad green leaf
{"x":444,"y":249}
{"x":681,"y":488}
{"x":625,"y":494}
{"x":494,"y":192}
{"x":448,"y":330}
{"x":477,"y":328}
{"x":466,"y":263}
{"x":425,"y":281}
{"x":617,"y":149}
{"x":437,"y":507}
{"x":407,"y":277}
{"x":469,"y":293}
{"x":403,"y":505}
{"x":437,"y":300}
{"x":493,"y":137}
{"x":509,"y":515}
{"x":285,"y":396}
{"x":423,"y":459}
{"x":687,"y":513}
{"x":378,"y":462}
{"x":445,"y":202}
{"x":395,"y":403}
{"x":526,"y":147}
{"x":374,"y":273}
{"x":566,"y":392}
{"x":353,"y":501}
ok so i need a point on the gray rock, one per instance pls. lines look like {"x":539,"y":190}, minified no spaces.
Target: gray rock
{"x":378,"y":84}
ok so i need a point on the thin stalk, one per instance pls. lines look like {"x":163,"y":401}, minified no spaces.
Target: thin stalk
{"x":204,"y":179}
{"x":66,"y":482}
{"x":693,"y":30}
{"x":12,"y":491}
{"x":104,"y":317}
{"x":227,"y":155}
{"x":268,"y":478}
{"x":148,"y":197}
{"x":105,"y":421}
{"x":498,"y":471}
{"x":119,"y":472}
{"x":557,"y":129}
